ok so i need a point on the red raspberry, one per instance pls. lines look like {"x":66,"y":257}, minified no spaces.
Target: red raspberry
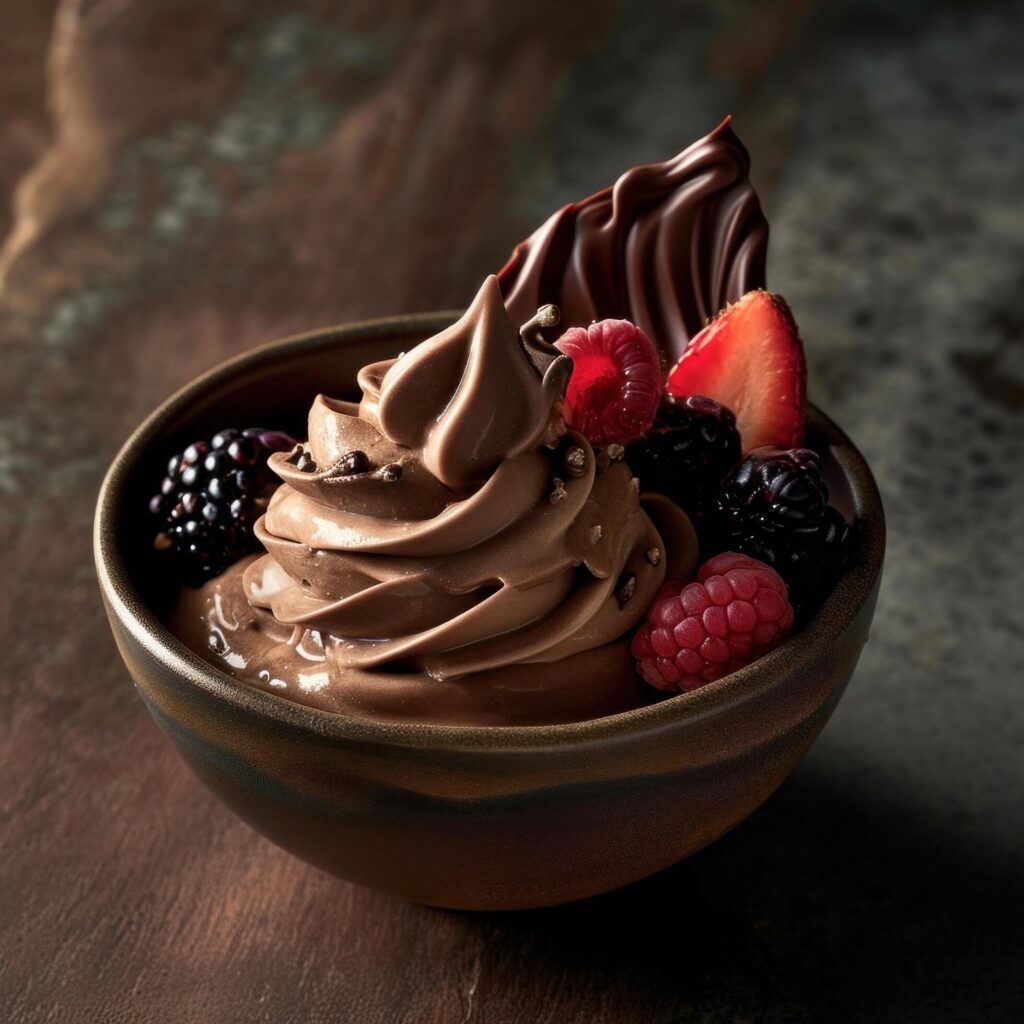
{"x":616,"y":381}
{"x":696,"y":632}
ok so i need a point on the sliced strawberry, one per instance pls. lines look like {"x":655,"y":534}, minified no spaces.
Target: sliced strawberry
{"x":750,"y":358}
{"x":616,"y":381}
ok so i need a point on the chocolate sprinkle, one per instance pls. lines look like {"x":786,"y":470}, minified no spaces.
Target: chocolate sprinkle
{"x":575,"y":460}
{"x":391,"y":473}
{"x":653,"y":555}
{"x":355,"y":462}
{"x":295,"y":454}
{"x":625,"y":588}
{"x":559,"y":491}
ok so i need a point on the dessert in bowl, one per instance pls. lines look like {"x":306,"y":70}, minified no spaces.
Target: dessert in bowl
{"x":451,"y":656}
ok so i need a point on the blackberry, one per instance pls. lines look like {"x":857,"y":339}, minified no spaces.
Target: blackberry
{"x":693,"y":444}
{"x":775,"y":489}
{"x":211,"y":497}
{"x":774,"y":507}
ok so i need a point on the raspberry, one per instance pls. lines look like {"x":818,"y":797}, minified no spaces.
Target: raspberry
{"x":775,"y":508}
{"x":616,"y":381}
{"x":694,"y":443}
{"x":735,"y":611}
{"x":211,"y":497}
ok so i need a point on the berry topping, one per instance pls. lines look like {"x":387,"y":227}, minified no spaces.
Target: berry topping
{"x":212,"y":495}
{"x":616,"y":381}
{"x":693,"y":445}
{"x":775,"y":508}
{"x":735,"y":611}
{"x":750,"y":358}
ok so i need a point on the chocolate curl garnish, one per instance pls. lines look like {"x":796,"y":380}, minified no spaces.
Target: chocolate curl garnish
{"x":666,"y":247}
{"x":530,"y":332}
{"x":538,"y":349}
{"x":554,"y":367}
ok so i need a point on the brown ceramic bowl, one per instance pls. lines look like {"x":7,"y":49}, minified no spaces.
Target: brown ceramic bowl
{"x":466,"y":817}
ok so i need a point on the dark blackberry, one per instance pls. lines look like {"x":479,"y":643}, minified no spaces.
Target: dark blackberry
{"x":693,"y":444}
{"x":776,"y":489}
{"x":211,"y":497}
{"x":775,"y":507}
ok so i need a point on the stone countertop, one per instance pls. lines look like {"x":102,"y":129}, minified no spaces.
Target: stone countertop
{"x":183,"y":180}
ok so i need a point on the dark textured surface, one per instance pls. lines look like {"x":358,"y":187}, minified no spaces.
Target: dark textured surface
{"x":188,"y":179}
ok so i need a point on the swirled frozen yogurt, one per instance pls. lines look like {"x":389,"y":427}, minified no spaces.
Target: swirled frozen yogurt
{"x":445,"y":549}
{"x":499,"y":531}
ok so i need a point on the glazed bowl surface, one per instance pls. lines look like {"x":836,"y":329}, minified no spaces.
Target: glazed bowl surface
{"x":458,"y":816}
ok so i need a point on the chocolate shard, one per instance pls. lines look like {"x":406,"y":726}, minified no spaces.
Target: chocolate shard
{"x":667,"y":246}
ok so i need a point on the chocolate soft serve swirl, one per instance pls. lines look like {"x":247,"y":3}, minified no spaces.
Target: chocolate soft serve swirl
{"x":486,"y":567}
{"x":667,"y":247}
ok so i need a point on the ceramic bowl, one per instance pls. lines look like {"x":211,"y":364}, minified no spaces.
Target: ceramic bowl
{"x":465,"y":817}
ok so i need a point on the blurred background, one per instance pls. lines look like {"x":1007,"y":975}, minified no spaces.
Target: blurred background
{"x":180,"y":180}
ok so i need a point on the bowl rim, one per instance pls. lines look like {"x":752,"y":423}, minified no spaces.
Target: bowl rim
{"x":132,"y":613}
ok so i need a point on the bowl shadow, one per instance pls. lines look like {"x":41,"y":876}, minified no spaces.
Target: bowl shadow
{"x":830,"y":903}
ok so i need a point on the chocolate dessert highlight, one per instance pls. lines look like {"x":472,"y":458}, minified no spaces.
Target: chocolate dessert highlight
{"x":667,"y":247}
{"x":445,"y":549}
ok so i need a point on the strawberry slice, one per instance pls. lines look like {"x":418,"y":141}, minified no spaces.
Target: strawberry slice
{"x":750,"y":358}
